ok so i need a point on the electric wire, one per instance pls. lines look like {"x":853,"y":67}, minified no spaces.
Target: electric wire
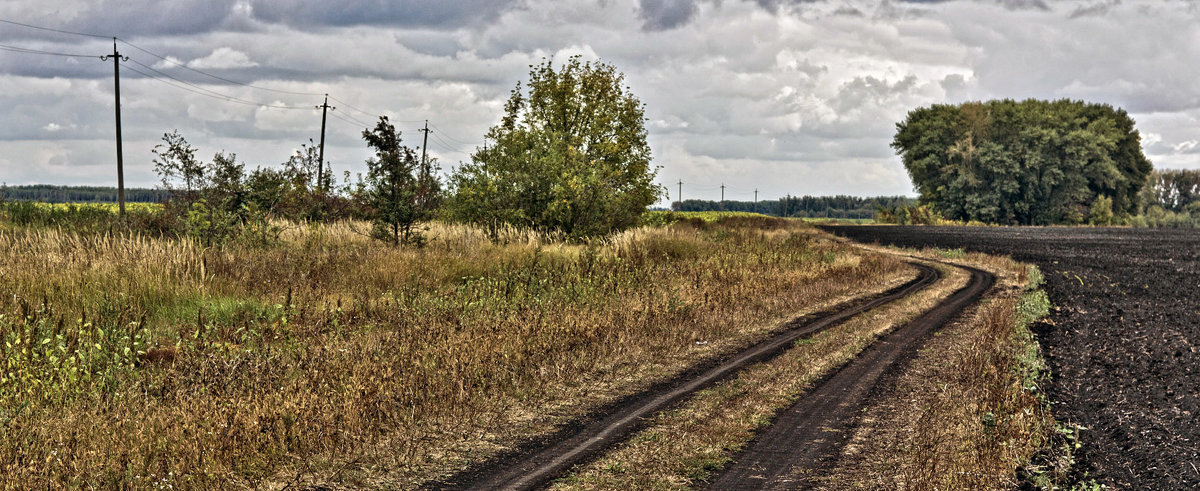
{"x":40,"y":28}
{"x":443,"y":132}
{"x":348,"y":121}
{"x":18,"y":49}
{"x":202,"y":91}
{"x":446,"y":144}
{"x":354,"y":120}
{"x":217,"y":77}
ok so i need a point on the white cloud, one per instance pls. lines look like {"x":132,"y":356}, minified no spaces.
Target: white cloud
{"x":222,"y":58}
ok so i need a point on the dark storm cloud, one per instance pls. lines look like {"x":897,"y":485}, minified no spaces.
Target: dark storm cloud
{"x":400,"y":13}
{"x":659,"y":15}
{"x":125,"y":18}
{"x":1098,"y":8}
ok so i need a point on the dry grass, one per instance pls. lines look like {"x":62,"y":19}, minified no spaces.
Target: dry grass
{"x":968,"y":411}
{"x":684,"y":446}
{"x":333,"y":359}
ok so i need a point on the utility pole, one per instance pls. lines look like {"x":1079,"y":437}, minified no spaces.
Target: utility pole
{"x":787,"y":206}
{"x":756,"y":200}
{"x":722,"y":196}
{"x":424,"y":144}
{"x":423,"y":179}
{"x":680,"y":195}
{"x":117,"y":58}
{"x":324,"y":107}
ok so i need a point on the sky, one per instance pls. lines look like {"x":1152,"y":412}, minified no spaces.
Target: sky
{"x":795,"y":97}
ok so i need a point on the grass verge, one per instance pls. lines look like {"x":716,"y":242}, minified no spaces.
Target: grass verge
{"x":968,"y":411}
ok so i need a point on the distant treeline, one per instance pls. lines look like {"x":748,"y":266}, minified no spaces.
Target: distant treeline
{"x":802,"y":206}
{"x":80,"y":194}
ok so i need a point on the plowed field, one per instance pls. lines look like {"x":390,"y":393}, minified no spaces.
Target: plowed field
{"x":1123,"y":341}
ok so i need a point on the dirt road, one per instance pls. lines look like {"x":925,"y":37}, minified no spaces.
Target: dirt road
{"x":805,"y":439}
{"x":539,"y":462}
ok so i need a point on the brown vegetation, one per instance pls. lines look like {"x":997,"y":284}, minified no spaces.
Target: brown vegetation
{"x":331,"y":358}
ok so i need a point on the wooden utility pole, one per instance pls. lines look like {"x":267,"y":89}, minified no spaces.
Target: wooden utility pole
{"x":117,"y":58}
{"x":756,"y":200}
{"x":324,"y":107}
{"x":722,"y":196}
{"x":680,"y":196}
{"x":425,"y":143}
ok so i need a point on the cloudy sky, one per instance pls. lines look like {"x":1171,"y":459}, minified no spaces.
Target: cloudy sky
{"x":782,"y":96}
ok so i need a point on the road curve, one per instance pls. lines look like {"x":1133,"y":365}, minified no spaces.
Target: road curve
{"x":809,"y":435}
{"x":537,"y":466}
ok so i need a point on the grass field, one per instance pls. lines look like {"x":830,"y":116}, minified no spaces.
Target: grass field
{"x":132,"y":361}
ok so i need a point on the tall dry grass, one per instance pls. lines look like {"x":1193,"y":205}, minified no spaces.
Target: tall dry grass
{"x":128,"y":361}
{"x":969,"y":410}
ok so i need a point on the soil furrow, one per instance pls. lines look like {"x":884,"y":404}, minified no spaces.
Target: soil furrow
{"x":540,"y":462}
{"x":806,"y":438}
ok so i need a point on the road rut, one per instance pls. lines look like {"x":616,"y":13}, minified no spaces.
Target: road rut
{"x":541,"y":462}
{"x":807,"y":438}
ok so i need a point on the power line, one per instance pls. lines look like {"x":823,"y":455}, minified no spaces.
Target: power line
{"x":61,"y":31}
{"x":368,"y":113}
{"x":217,"y":77}
{"x":346,"y":120}
{"x":448,"y":146}
{"x":443,"y":132}
{"x":196,"y":89}
{"x":31,"y":51}
{"x":351,"y":119}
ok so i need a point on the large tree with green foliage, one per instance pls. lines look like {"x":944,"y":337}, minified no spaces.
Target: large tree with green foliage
{"x":570,"y":155}
{"x":1028,"y":162}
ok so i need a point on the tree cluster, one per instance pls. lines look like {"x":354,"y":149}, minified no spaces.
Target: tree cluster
{"x":570,"y":155}
{"x":218,"y":201}
{"x":1029,"y":162}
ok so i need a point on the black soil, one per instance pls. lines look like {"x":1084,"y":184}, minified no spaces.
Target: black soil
{"x":1122,"y":341}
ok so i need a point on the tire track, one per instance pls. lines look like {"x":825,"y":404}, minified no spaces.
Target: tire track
{"x":807,"y":437}
{"x":541,"y":462}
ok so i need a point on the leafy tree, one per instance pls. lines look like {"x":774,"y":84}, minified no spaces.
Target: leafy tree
{"x":570,"y":155}
{"x":176,"y":164}
{"x":1030,"y":162}
{"x":399,"y":190}
{"x":1101,"y":212}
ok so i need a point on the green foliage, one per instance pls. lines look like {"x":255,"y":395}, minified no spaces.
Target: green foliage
{"x":570,"y":155}
{"x":176,"y":164}
{"x":1101,"y":212}
{"x":1030,"y":162}
{"x":663,"y":218}
{"x":907,"y":215}
{"x":400,"y":191}
{"x":82,"y":218}
{"x":1172,"y":189}
{"x":50,"y":355}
